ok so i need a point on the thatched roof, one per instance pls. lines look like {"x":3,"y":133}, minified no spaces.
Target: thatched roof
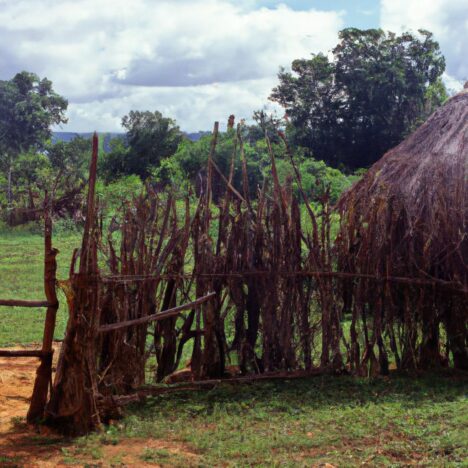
{"x":418,"y":191}
{"x":408,"y":217}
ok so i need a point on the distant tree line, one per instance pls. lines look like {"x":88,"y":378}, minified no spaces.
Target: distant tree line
{"x":342,"y":113}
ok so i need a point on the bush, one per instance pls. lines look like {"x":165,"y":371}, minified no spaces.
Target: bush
{"x":113,"y":195}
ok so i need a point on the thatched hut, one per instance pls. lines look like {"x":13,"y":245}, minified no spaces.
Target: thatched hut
{"x":406,"y":221}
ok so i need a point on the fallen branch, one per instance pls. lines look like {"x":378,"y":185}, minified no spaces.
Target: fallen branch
{"x":141,"y":395}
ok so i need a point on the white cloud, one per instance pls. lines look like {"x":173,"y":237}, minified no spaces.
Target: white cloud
{"x":194,"y":60}
{"x":447,"y":19}
{"x":194,"y":108}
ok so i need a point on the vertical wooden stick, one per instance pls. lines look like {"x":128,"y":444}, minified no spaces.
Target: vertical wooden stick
{"x":44,"y":372}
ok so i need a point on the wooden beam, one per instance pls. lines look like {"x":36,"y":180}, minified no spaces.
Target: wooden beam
{"x":19,"y":303}
{"x":23,"y":353}
{"x":155,"y":317}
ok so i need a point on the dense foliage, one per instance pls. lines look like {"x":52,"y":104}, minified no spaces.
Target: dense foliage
{"x":187,"y":166}
{"x":351,"y":108}
{"x":60,"y":169}
{"x":150,"y":137}
{"x":28,"y":108}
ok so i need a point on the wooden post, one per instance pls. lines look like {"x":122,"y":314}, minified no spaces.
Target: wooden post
{"x":72,"y":407}
{"x":44,"y":372}
{"x":212,"y":364}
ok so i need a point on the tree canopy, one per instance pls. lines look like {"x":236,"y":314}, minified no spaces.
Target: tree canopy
{"x":352,"y":107}
{"x":150,"y":137}
{"x":28,"y":108}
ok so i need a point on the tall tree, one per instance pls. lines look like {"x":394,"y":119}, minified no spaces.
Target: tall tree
{"x":69,"y":162}
{"x":150,"y":137}
{"x":28,"y":108}
{"x":352,"y":107}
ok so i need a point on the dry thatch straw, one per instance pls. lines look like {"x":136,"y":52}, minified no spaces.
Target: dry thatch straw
{"x":408,"y":217}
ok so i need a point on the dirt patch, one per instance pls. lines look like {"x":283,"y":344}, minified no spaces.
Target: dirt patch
{"x":26,"y":446}
{"x":148,"y":452}
{"x":34,"y":450}
{"x":16,"y":384}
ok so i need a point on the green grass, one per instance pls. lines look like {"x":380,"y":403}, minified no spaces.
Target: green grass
{"x":344,"y":421}
{"x":21,"y":277}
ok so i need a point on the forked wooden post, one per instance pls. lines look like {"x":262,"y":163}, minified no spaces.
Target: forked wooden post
{"x":44,"y":371}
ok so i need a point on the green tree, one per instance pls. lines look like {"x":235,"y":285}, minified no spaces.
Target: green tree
{"x":61,"y":168}
{"x":69,"y":162}
{"x":188,"y":165}
{"x":29,"y":175}
{"x":350,"y":109}
{"x":150,"y":137}
{"x":28,"y":108}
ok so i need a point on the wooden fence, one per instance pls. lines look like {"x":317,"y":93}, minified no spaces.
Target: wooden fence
{"x":44,"y":372}
{"x":245,"y":289}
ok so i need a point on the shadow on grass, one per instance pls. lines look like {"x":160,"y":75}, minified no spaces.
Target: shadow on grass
{"x":344,"y":420}
{"x":317,"y":393}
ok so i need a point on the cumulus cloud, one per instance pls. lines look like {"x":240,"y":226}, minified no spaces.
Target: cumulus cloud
{"x":228,"y":44}
{"x":195,"y":108}
{"x":447,"y":19}
{"x":194,"y":60}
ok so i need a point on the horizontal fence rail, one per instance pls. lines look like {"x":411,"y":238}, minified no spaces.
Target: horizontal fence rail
{"x":155,"y":317}
{"x":20,"y":303}
{"x":430,"y":282}
{"x":23,"y":353}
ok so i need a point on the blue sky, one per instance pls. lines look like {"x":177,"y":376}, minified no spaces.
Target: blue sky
{"x":358,"y":13}
{"x":196,"y":60}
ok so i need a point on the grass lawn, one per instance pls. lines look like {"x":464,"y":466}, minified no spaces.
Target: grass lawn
{"x":22,"y":277}
{"x":344,"y":421}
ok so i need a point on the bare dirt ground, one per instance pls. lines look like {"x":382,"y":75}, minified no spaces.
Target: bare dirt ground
{"x":17,"y":441}
{"x":16,"y":383}
{"x":25,"y":446}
